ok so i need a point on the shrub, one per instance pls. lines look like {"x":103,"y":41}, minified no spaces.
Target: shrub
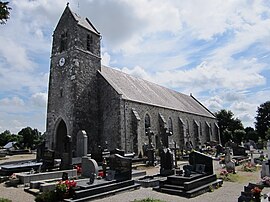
{"x":48,"y":196}
{"x":5,"y":200}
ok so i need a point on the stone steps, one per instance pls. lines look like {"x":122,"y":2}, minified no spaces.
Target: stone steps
{"x":179,"y":191}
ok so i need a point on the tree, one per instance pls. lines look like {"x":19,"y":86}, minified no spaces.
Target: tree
{"x":6,"y":137}
{"x":262,"y":123}
{"x":4,"y":12}
{"x":251,"y":134}
{"x":30,"y":138}
{"x":228,"y":125}
{"x":238,"y":135}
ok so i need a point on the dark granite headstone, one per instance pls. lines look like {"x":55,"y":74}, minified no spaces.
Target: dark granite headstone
{"x":40,"y":151}
{"x":196,"y":158}
{"x":239,"y":151}
{"x":48,"y":159}
{"x":66,"y":159}
{"x":121,"y":165}
{"x":166,"y":162}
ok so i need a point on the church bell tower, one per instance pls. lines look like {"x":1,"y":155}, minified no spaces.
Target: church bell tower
{"x":72,"y":97}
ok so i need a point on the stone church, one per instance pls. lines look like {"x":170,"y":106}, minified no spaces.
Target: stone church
{"x":111,"y":106}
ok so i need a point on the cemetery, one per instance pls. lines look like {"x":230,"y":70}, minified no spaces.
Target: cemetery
{"x":114,"y":172}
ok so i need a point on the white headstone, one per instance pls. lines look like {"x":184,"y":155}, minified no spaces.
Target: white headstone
{"x":268,"y":149}
{"x":265,"y":169}
{"x":81,"y":143}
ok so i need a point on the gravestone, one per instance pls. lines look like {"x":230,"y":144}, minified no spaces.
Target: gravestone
{"x":48,"y":159}
{"x":229,"y":165}
{"x":66,"y":160}
{"x":82,"y":143}
{"x":227,"y":157}
{"x":89,"y":166}
{"x":165,"y":138}
{"x":266,"y":164}
{"x":150,"y":149}
{"x":40,"y":151}
{"x":252,"y":150}
{"x":201,"y":162}
{"x":239,"y":151}
{"x":121,"y":167}
{"x":166,"y":162}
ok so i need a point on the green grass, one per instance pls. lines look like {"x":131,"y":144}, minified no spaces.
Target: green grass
{"x":148,"y":200}
{"x":230,"y":177}
{"x":5,"y":200}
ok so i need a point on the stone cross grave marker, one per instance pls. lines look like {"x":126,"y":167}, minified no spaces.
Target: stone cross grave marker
{"x":166,"y":138}
{"x":150,"y":149}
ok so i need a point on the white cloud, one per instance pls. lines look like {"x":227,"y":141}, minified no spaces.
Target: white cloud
{"x":39,"y":99}
{"x":105,"y":59}
{"x":15,"y":101}
{"x":138,"y":72}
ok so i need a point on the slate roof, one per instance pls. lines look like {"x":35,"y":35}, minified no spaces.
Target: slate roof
{"x":139,"y":90}
{"x":84,"y":22}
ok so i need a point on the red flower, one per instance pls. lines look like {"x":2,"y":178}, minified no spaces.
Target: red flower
{"x":256,"y":190}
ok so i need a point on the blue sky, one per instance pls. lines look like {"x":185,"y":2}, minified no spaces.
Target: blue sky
{"x":217,"y":50}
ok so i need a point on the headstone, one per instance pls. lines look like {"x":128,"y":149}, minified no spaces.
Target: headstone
{"x":266,"y":164}
{"x":89,"y":166}
{"x":166,"y":162}
{"x":144,"y":148}
{"x":82,"y":143}
{"x":150,"y":149}
{"x":121,"y":167}
{"x":229,"y":165}
{"x":251,"y":155}
{"x":40,"y":151}
{"x":165,"y":138}
{"x":66,"y":160}
{"x":201,"y":162}
{"x":48,"y":159}
{"x":227,"y":157}
{"x":239,"y":151}
{"x":268,"y":149}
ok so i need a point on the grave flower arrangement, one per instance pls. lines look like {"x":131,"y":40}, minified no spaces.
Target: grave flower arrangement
{"x":256,"y":191}
{"x":65,"y":188}
{"x":249,"y":167}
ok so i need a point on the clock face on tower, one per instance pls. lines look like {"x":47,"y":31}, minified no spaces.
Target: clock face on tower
{"x":62,"y":62}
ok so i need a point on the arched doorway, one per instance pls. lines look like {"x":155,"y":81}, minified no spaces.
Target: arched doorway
{"x":61,"y":134}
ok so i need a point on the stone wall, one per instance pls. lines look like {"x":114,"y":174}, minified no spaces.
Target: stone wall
{"x":109,"y":115}
{"x":178,"y":134}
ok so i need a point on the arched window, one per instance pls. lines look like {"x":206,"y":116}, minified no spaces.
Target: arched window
{"x":187,"y":129}
{"x":170,"y":125}
{"x":147,"y":122}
